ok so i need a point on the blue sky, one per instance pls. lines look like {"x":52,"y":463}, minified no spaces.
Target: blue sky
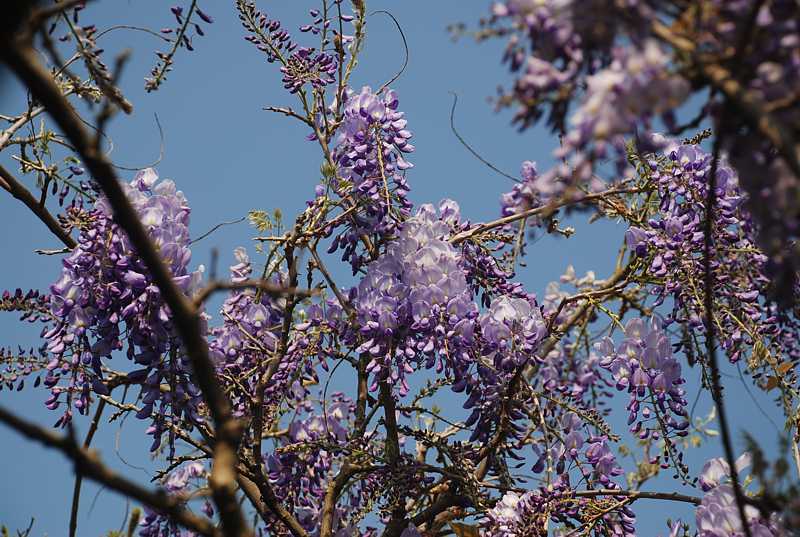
{"x":229,"y":156}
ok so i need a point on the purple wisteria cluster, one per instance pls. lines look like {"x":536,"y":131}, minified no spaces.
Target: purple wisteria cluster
{"x":307,"y":457}
{"x":266,"y":34}
{"x":620,"y":99}
{"x":249,"y":339}
{"x":718,"y":514}
{"x":625,"y":96}
{"x":17,"y":365}
{"x":642,"y":364}
{"x":487,"y":276}
{"x":300,"y":66}
{"x":671,"y":248}
{"x":306,"y":66}
{"x":623,"y":66}
{"x":510,"y":333}
{"x":525,"y":195}
{"x":181,"y":483}
{"x":432,"y":304}
{"x":413,"y":305}
{"x":532,"y":513}
{"x":553,"y":43}
{"x":370,"y":168}
{"x":106,"y":301}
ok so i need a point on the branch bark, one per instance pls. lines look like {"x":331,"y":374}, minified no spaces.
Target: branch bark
{"x":88,"y":465}
{"x":535,"y":211}
{"x":9,"y":183}
{"x":751,"y":107}
{"x":76,"y":491}
{"x":17,"y":52}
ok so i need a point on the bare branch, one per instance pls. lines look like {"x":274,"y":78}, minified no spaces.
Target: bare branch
{"x":76,"y":491}
{"x":87,"y":464}
{"x":18,"y":190}
{"x":23,"y":60}
{"x":544,"y":209}
{"x":265,"y":286}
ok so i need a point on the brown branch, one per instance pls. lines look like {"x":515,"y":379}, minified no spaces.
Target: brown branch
{"x":18,"y":124}
{"x":260,"y":479}
{"x":266,"y":286}
{"x":268,"y":502}
{"x":440,"y":505}
{"x":328,"y":278}
{"x":752,"y":108}
{"x":42,"y":14}
{"x":289,"y":113}
{"x":334,"y":489}
{"x":398,"y":520}
{"x":711,"y":351}
{"x":21,"y":57}
{"x":88,"y":465}
{"x":9,"y":183}
{"x":283,"y":344}
{"x":76,"y":491}
{"x":637,"y":495}
{"x":544,"y":209}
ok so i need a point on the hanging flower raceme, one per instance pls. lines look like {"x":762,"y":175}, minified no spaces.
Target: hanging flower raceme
{"x":105,"y":300}
{"x":526,"y":194}
{"x":642,"y":364}
{"x":718,"y":514}
{"x":307,"y":457}
{"x":511,"y":331}
{"x":413,"y":305}
{"x":180,"y":482}
{"x":621,"y":100}
{"x":671,"y":247}
{"x":248,"y":341}
{"x":370,"y":168}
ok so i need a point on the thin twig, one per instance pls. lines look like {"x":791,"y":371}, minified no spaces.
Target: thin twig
{"x":216,"y":227}
{"x":469,"y":148}
{"x":76,"y":491}
{"x":266,"y":286}
{"x":544,"y":209}
{"x":158,"y":160}
{"x":405,"y":48}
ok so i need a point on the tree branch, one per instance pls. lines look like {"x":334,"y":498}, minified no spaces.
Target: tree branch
{"x":544,"y":209}
{"x":23,"y":60}
{"x":398,"y":520}
{"x":18,"y":190}
{"x":253,"y":486}
{"x":638,"y":494}
{"x":88,"y":465}
{"x":711,"y":351}
{"x":266,"y":286}
{"x":76,"y":491}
